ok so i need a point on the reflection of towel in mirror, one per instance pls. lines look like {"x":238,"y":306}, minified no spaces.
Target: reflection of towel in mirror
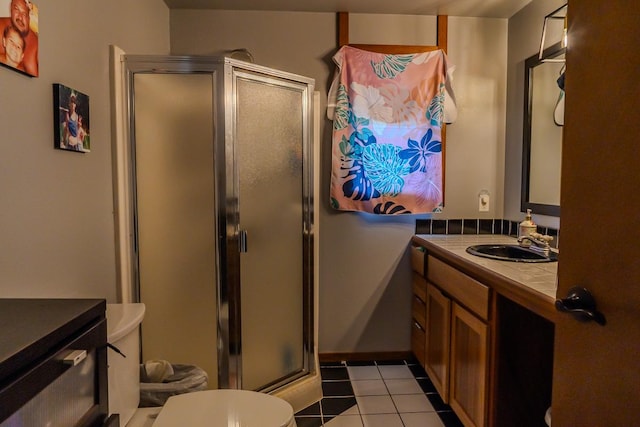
{"x":560,"y":80}
{"x":558,"y":111}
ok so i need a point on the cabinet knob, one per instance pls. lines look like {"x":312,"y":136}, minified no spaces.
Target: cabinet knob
{"x":581,"y":305}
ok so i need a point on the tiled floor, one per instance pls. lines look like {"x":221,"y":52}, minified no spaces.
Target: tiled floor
{"x":377,"y":394}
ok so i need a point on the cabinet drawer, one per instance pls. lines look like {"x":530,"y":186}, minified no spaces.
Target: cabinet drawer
{"x":418,"y":311}
{"x":469,"y":292}
{"x":417,"y":259}
{"x":419,"y":286}
{"x":418,"y":340}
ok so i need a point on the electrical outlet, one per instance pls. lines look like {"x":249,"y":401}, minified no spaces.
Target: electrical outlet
{"x":483,"y":202}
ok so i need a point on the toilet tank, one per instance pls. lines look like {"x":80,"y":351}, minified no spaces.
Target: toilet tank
{"x":123,"y":332}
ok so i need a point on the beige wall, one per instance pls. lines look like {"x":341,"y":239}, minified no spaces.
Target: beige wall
{"x":364,"y":268}
{"x":475,"y":142}
{"x":525,"y":31}
{"x":56,"y":207}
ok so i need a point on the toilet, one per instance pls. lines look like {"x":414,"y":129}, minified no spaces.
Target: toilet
{"x":211,"y":408}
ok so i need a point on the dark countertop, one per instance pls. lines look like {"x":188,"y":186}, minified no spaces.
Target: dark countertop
{"x":32,"y":328}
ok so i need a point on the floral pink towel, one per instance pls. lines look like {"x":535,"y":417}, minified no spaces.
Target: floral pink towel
{"x":387,"y":113}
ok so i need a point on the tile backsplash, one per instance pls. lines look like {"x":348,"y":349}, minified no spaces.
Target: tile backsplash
{"x":478,"y":226}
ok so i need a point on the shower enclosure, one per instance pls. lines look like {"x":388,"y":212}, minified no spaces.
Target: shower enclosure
{"x":222,"y":218}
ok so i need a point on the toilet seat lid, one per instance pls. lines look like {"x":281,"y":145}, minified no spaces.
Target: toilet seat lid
{"x":240,"y":408}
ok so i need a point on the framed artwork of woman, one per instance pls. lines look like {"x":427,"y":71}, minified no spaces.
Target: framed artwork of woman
{"x":71,"y":119}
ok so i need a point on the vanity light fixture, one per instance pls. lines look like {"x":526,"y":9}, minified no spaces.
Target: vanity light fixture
{"x":558,"y":14}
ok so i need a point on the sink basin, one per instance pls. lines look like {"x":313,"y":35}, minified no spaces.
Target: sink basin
{"x":510,"y":253}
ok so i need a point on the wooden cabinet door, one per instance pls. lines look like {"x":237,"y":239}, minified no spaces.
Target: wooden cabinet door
{"x":438,"y":333}
{"x":469,"y":367}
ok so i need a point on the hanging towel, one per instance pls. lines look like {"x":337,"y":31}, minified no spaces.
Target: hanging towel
{"x":388,"y":112}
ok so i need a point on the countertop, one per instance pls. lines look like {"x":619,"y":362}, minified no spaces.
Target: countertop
{"x":31,"y":328}
{"x":532,"y":285}
{"x":36,"y":335}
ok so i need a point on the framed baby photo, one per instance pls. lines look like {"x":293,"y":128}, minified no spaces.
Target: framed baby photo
{"x":19,"y":32}
{"x":71,"y":122}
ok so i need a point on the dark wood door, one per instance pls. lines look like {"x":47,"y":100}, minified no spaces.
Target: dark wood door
{"x":597,"y":368}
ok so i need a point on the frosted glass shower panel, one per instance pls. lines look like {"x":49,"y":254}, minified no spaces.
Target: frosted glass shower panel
{"x":269,"y":149}
{"x":176,"y":221}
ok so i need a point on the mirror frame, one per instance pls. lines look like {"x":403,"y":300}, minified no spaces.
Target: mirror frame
{"x":529,"y":64}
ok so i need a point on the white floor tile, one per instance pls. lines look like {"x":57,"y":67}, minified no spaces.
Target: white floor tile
{"x":412,"y":403}
{"x":345,"y":421}
{"x":386,"y":396}
{"x":408,"y":386}
{"x":382,"y":420}
{"x":422,"y":419}
{"x":376,"y":404}
{"x":395,"y":371}
{"x":363,"y":373}
{"x":369,"y":388}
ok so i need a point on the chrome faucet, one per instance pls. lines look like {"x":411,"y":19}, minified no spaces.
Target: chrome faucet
{"x":536,"y":242}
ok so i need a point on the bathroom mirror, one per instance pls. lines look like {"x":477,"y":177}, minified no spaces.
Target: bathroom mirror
{"x":542,"y":133}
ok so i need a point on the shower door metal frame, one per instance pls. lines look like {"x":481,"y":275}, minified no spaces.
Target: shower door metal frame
{"x":234,"y":70}
{"x":227,"y":239}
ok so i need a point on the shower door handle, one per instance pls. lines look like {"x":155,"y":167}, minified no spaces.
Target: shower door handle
{"x":242,"y":234}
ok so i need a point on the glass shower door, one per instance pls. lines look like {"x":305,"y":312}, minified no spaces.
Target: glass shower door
{"x":176,"y":234}
{"x":270,"y":123}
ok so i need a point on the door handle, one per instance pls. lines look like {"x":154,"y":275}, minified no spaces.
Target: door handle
{"x":243,"y":240}
{"x":581,"y":305}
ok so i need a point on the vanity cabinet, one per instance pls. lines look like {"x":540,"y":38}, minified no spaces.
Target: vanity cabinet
{"x":457,"y":346}
{"x":450,"y":334}
{"x":488,"y":336}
